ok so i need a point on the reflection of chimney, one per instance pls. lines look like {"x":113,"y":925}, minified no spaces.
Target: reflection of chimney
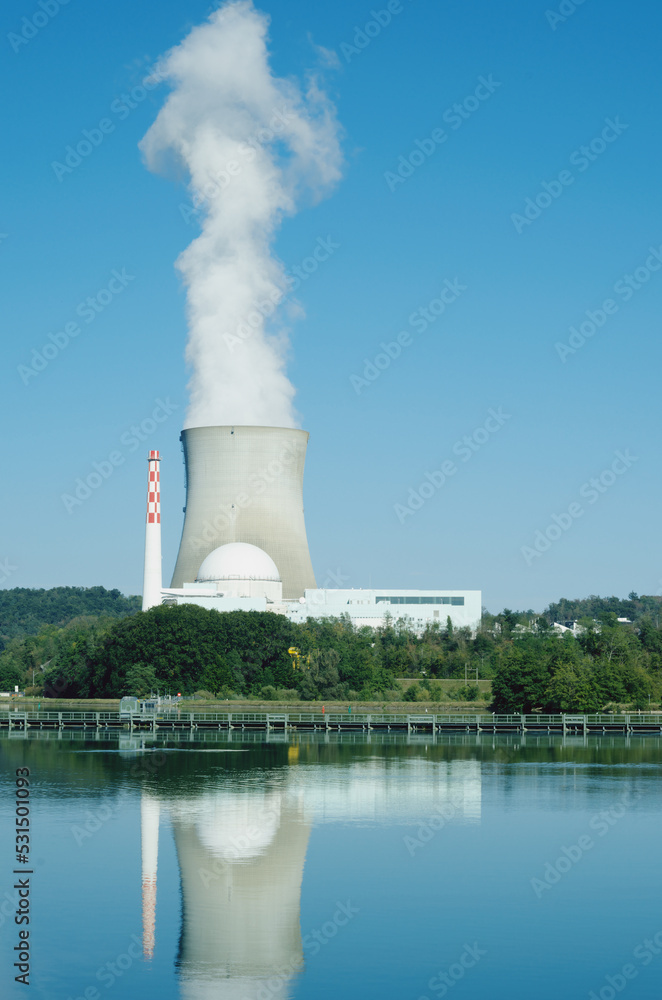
{"x":149,"y":827}
{"x":152,"y":579}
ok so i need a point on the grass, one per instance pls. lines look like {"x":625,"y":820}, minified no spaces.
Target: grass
{"x":254,"y":705}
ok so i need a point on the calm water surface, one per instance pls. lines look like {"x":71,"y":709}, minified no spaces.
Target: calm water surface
{"x":466,"y":867}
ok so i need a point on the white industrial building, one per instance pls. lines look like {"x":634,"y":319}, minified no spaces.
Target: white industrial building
{"x":244,"y":545}
{"x":242,"y":577}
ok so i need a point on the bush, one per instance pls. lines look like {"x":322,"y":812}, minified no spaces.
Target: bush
{"x":287,"y":694}
{"x":412,"y":693}
{"x":470,"y":693}
{"x":268,"y":693}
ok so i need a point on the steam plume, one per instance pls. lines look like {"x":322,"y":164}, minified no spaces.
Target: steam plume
{"x":252,"y":145}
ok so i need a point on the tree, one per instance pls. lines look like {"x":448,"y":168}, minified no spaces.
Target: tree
{"x":572,"y":689}
{"x":521,"y":678}
{"x":140,"y":680}
{"x":216,"y":676}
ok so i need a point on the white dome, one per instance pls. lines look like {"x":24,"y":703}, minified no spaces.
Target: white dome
{"x":238,"y":561}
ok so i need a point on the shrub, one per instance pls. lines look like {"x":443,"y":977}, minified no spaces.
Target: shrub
{"x":287,"y":694}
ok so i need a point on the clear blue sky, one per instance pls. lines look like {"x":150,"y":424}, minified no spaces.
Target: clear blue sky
{"x":523,"y":285}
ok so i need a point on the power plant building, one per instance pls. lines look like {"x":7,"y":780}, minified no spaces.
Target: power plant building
{"x":244,"y":545}
{"x":242,"y":577}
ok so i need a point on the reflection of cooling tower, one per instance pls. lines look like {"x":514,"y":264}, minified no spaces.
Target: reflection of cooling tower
{"x":245,"y":484}
{"x":241,"y":924}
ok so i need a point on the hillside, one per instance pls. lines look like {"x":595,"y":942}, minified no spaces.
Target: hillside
{"x":635,"y":608}
{"x":25,"y":612}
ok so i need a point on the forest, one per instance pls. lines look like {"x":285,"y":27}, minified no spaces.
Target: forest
{"x":25,"y":612}
{"x":99,"y":645}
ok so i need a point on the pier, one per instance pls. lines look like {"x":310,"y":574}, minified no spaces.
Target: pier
{"x":174,"y":720}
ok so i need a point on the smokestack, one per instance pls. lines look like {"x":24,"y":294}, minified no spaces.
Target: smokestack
{"x":152,"y":577}
{"x":245,"y":484}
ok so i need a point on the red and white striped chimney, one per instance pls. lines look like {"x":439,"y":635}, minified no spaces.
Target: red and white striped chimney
{"x":152,"y":579}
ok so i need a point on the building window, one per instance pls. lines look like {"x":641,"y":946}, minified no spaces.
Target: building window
{"x":410,"y":599}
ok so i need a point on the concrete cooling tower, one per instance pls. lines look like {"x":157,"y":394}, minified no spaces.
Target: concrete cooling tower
{"x":245,"y":484}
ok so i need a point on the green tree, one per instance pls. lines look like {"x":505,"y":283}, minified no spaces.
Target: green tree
{"x":140,"y":680}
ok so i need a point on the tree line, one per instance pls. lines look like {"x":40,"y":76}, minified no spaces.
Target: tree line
{"x":25,"y":611}
{"x":188,"y":649}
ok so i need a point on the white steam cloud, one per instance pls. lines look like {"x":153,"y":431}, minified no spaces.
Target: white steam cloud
{"x":252,"y":145}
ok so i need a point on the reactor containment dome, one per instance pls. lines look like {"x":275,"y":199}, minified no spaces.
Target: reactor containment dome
{"x":238,"y":561}
{"x":239,"y":569}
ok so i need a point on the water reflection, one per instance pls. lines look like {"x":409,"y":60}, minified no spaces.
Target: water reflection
{"x":241,"y":859}
{"x":265,"y":844}
{"x":242,"y":852}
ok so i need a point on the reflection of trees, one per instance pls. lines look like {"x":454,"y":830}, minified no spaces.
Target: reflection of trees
{"x":65,"y":771}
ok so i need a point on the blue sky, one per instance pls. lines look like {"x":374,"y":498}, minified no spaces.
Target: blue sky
{"x":456,"y":222}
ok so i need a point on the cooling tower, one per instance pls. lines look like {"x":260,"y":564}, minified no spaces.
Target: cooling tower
{"x":245,"y":484}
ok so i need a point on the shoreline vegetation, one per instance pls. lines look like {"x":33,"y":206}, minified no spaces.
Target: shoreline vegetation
{"x":89,"y":645}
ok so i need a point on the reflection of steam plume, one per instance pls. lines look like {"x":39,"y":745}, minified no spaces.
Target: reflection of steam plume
{"x":249,"y":142}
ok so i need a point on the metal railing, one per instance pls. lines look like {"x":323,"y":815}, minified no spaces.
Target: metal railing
{"x":326,"y":720}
